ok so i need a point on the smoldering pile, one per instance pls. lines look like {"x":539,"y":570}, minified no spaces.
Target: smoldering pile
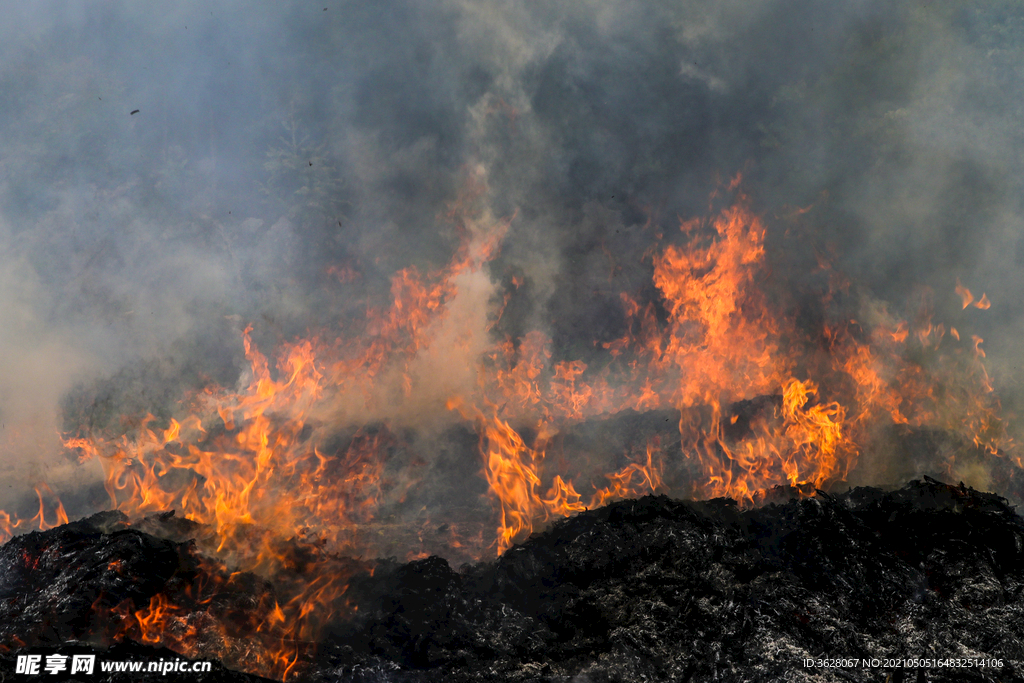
{"x":648,"y":589}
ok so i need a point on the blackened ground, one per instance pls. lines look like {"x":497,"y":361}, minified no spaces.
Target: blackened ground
{"x":60,"y":591}
{"x":661,"y":590}
{"x":642,"y":590}
{"x":55,"y":585}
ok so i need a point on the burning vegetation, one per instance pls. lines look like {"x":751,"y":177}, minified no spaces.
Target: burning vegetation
{"x":276,"y":496}
{"x":478,"y":297}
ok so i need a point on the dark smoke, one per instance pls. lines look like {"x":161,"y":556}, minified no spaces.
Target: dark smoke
{"x":273,"y":143}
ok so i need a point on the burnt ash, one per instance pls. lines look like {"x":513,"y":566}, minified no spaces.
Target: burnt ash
{"x":55,"y":585}
{"x":650,"y":589}
{"x":662,"y":590}
{"x":60,"y":591}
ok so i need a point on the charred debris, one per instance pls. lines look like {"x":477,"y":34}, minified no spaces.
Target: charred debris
{"x":650,"y":589}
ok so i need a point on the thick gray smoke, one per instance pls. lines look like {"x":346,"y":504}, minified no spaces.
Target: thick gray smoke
{"x":275,"y":144}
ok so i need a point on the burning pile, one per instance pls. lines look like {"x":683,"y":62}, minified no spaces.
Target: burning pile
{"x":647,"y":589}
{"x":719,"y":388}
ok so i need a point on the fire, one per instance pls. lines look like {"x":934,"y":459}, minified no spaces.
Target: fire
{"x":968,"y":299}
{"x":514,"y":474}
{"x":762,"y":402}
{"x":10,"y":525}
{"x":647,"y":475}
{"x":246,"y":633}
{"x":511,"y":470}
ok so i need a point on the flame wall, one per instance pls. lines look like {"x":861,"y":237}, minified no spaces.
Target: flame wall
{"x":286,"y":164}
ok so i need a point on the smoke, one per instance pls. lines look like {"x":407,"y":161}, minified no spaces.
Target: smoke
{"x":286,"y":162}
